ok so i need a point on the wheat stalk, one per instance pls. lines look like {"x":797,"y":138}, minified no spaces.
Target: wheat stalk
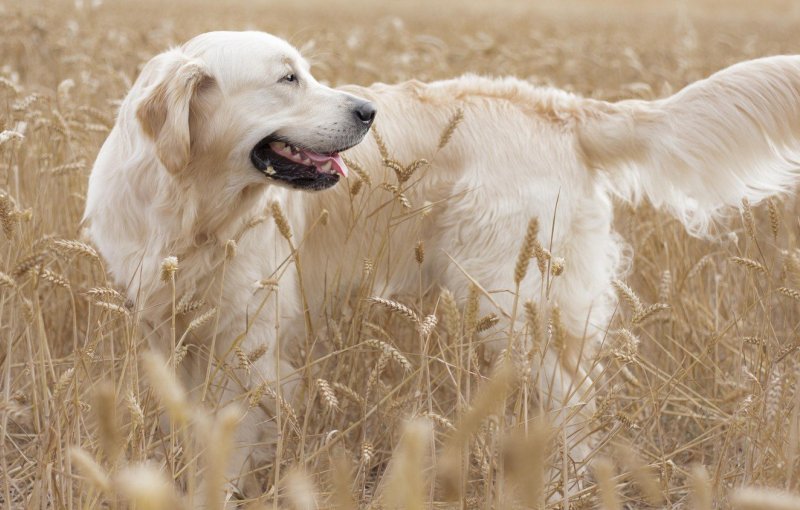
{"x":749,"y":264}
{"x":487,"y":322}
{"x":349,"y":393}
{"x":774,"y":218}
{"x":526,"y":252}
{"x":384,"y":152}
{"x":327,"y":394}
{"x":452,"y":319}
{"x":748,"y":219}
{"x":648,"y":312}
{"x":105,"y":293}
{"x":113,"y":308}
{"x":419,"y":252}
{"x":280,"y":220}
{"x":73,"y":247}
{"x":451,"y":127}
{"x":54,"y":278}
{"x":363,"y":175}
{"x":630,"y":297}
{"x":169,"y":266}
{"x":790,"y":293}
{"x":396,"y":308}
{"x":391,"y":352}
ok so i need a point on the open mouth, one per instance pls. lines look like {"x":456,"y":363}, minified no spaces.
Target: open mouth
{"x":296,"y":166}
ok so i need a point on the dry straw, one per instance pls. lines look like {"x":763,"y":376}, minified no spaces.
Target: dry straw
{"x":218,"y":447}
{"x":166,"y":387}
{"x":146,"y":488}
{"x":301,"y":491}
{"x":106,"y":411}
{"x":701,"y":488}
{"x":406,"y":482}
{"x":56,"y":348}
{"x":604,"y":472}
{"x":94,"y":473}
{"x":644,"y":475}
{"x":525,"y":453}
{"x":751,"y":498}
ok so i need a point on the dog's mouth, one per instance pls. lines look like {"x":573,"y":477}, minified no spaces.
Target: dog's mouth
{"x":297,"y":166}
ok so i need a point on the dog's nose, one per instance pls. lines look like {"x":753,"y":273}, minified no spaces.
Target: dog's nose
{"x":365,"y":112}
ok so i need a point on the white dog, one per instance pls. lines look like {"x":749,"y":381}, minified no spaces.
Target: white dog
{"x":214,"y":132}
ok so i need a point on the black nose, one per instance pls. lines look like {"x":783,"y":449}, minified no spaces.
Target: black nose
{"x":365,"y":112}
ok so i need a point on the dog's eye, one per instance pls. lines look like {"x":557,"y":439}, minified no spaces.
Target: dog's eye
{"x":289,"y":78}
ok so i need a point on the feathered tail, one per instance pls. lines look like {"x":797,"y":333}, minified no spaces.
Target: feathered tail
{"x":733,"y":135}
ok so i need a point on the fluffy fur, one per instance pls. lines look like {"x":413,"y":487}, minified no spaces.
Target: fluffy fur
{"x":174,"y":178}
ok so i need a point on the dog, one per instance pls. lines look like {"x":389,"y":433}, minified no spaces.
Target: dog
{"x":232,"y":124}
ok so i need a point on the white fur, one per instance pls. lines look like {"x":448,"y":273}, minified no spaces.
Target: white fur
{"x":520,"y":152}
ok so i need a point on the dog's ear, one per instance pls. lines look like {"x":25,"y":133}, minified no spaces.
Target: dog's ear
{"x":167,"y":104}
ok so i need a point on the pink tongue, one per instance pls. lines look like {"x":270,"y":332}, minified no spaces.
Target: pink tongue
{"x":320,"y":159}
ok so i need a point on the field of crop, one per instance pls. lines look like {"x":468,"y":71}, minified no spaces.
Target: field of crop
{"x":699,"y":408}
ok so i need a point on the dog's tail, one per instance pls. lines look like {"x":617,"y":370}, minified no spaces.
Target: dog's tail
{"x":731,"y":136}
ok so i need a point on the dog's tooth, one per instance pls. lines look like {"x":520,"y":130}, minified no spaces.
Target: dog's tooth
{"x":278,"y":146}
{"x":326,"y":167}
{"x":270,"y":170}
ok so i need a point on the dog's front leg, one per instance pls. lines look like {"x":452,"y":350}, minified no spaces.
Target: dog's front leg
{"x":254,"y":383}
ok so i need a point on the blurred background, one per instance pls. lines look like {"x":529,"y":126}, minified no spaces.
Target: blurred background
{"x":605,"y":48}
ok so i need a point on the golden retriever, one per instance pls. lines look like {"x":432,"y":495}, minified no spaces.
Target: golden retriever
{"x":217,"y":131}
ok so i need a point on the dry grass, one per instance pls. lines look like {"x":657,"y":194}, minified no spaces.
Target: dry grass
{"x":698,"y":399}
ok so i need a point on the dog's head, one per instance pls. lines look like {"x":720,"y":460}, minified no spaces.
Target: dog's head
{"x":243,"y":107}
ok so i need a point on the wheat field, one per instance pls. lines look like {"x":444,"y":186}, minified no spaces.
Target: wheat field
{"x":698,"y":405}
